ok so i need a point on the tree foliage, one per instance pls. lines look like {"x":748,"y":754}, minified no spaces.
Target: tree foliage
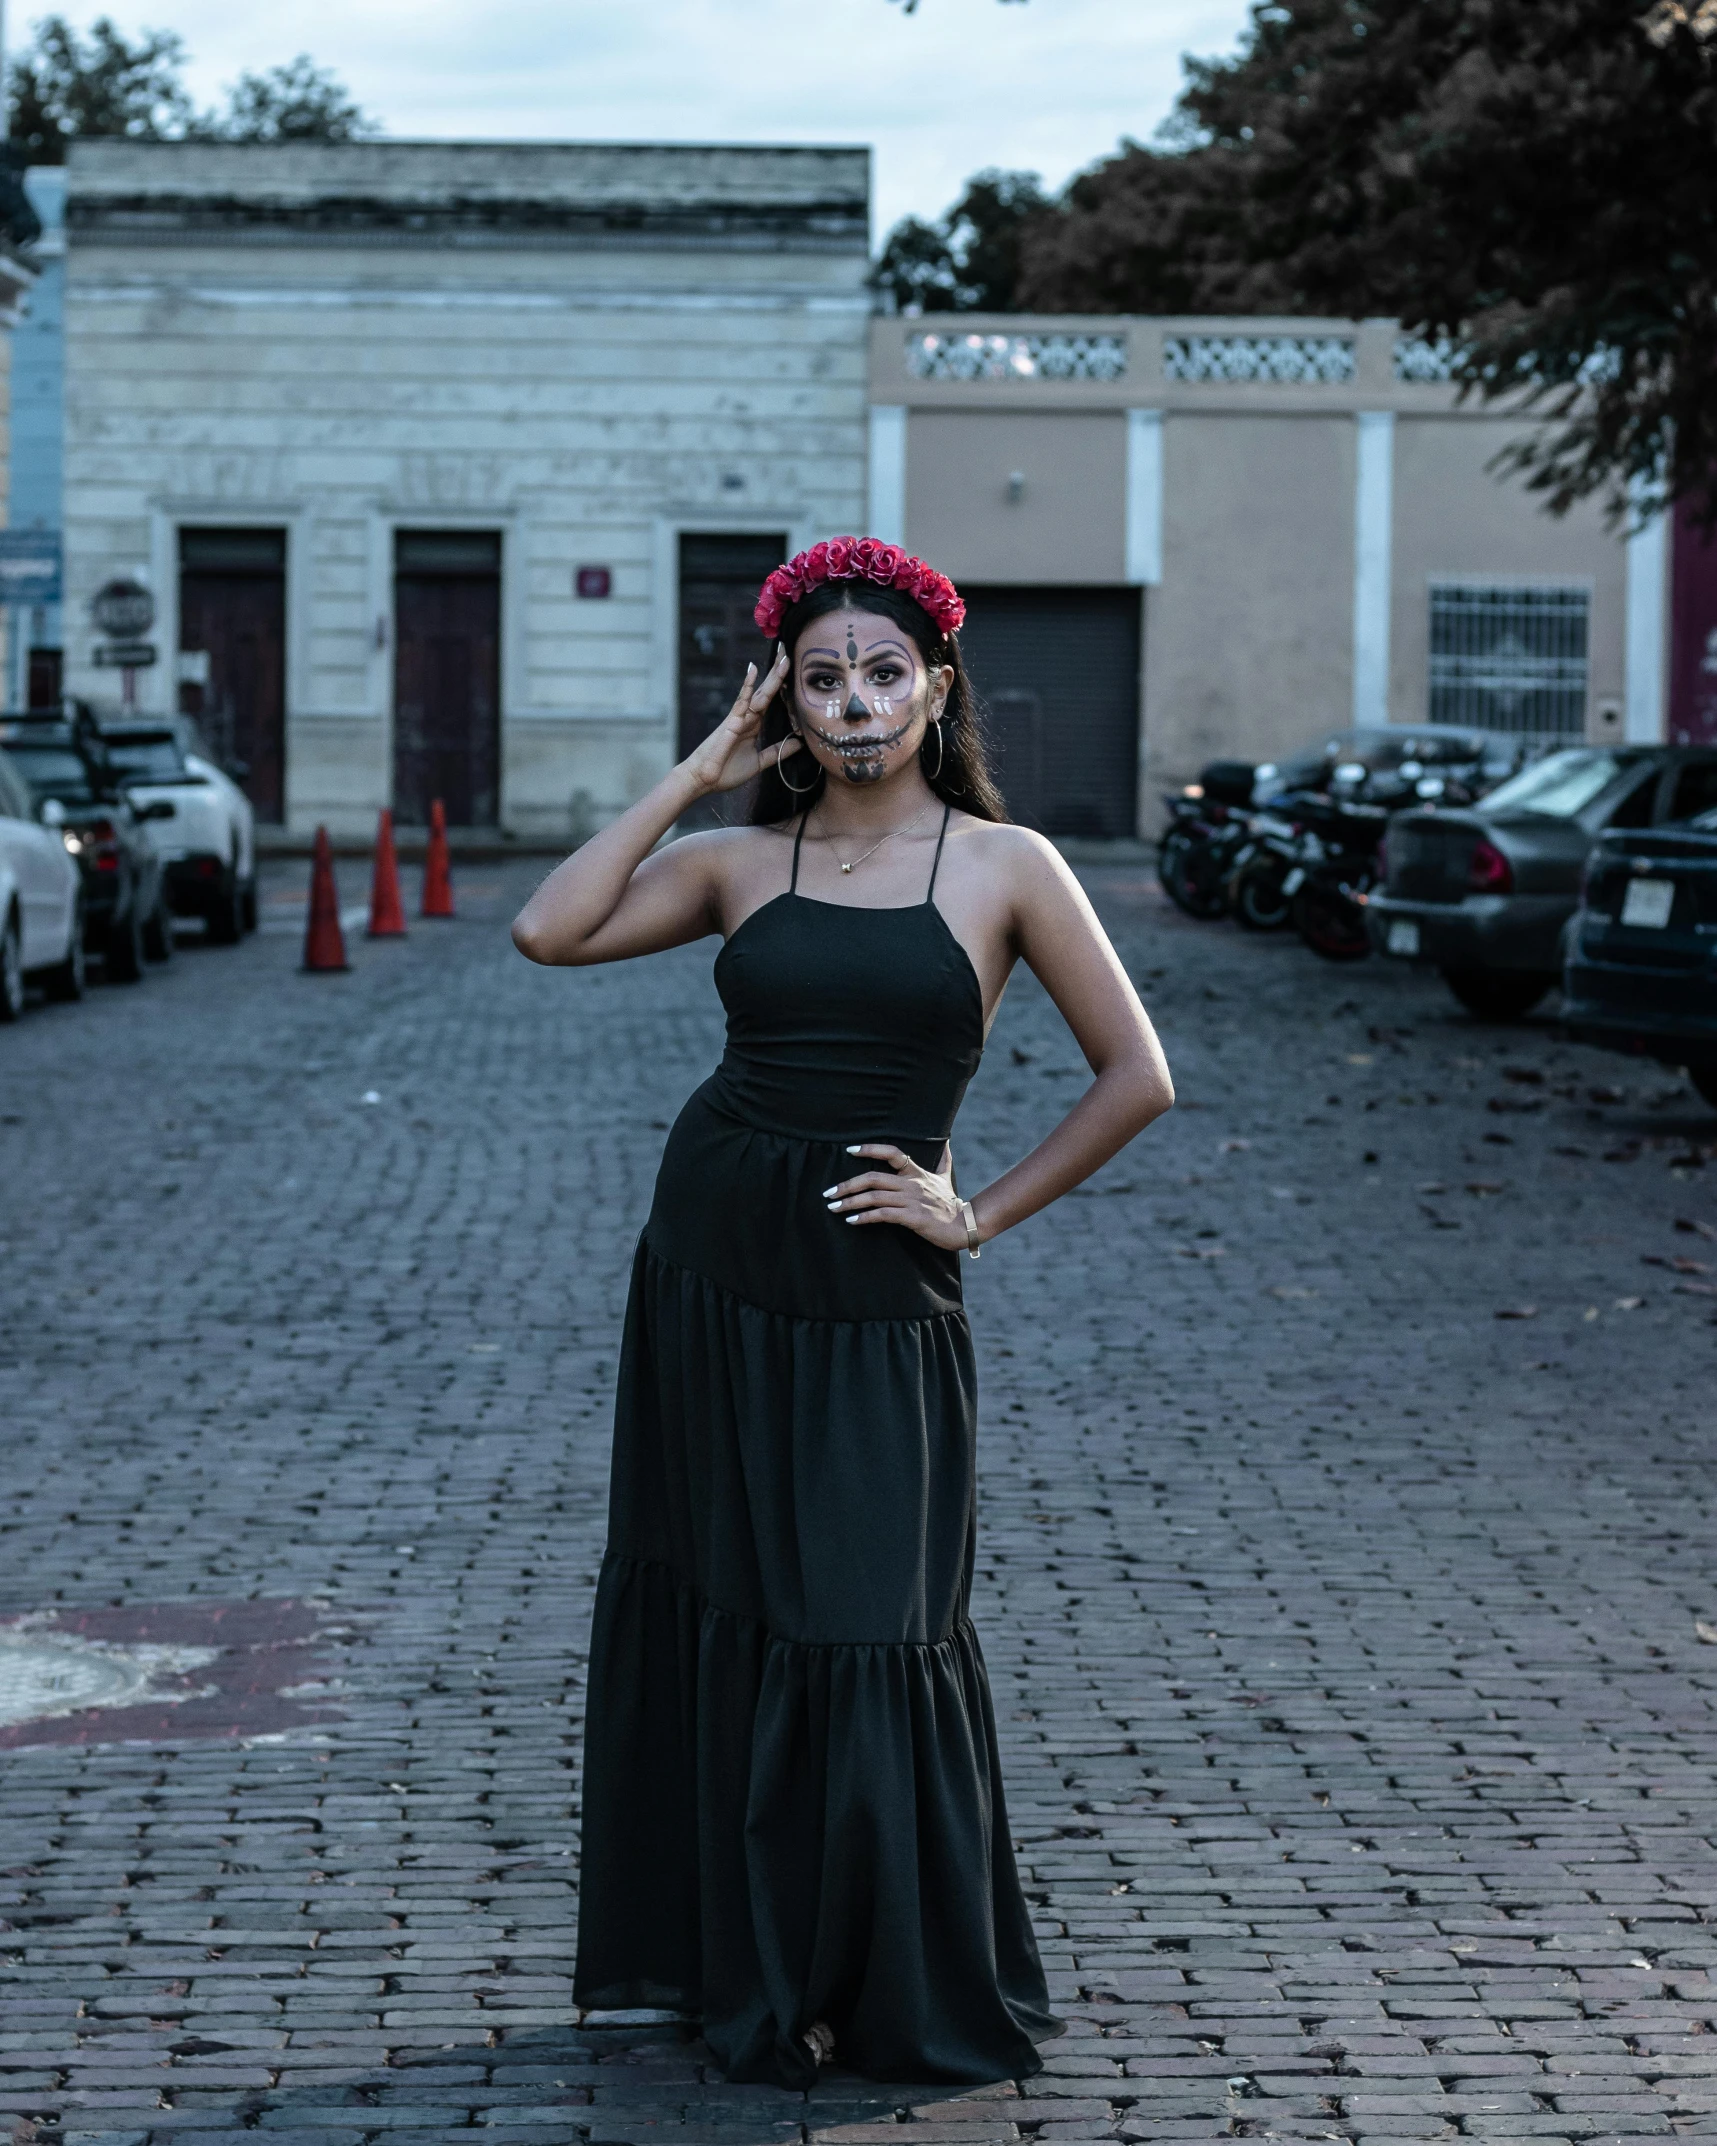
{"x":105,"y":86}
{"x":64,"y":85}
{"x":969,"y":261}
{"x":299,"y":102}
{"x":1536,"y":183}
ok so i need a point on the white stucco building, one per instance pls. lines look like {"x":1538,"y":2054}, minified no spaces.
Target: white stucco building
{"x":453,"y":467}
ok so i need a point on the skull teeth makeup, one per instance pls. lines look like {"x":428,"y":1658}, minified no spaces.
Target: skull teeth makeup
{"x":867,"y":747}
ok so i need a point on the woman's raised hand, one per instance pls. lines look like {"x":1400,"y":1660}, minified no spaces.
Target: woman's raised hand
{"x":731,"y":753}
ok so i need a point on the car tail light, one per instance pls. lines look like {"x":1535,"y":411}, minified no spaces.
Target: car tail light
{"x":1489,"y":871}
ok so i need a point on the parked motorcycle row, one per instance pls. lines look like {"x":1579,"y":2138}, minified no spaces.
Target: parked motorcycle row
{"x":110,"y":832}
{"x":1510,"y":868}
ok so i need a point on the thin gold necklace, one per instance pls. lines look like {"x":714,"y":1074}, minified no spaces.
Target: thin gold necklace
{"x":922,"y":814}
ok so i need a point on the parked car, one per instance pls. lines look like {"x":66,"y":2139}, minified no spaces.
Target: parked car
{"x":1487,"y":893}
{"x":41,"y":903}
{"x":208,"y":848}
{"x":76,"y":790}
{"x":1641,"y":974}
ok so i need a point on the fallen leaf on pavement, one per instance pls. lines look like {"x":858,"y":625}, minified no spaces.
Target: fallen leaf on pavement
{"x":1521,"y":1311}
{"x":1696,"y":1289}
{"x":1706,"y":1632}
{"x":1482,"y":1186}
{"x":1695,"y":1229}
{"x":1234,"y":1147}
{"x":1629,"y":1303}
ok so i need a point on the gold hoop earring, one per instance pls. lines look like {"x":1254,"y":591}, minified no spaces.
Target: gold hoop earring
{"x":792,"y":789}
{"x":931,"y":774}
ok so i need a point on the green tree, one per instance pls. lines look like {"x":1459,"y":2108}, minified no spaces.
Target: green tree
{"x":1537,"y":184}
{"x":64,"y":85}
{"x":969,"y":261}
{"x":299,"y":102}
{"x":106,"y":86}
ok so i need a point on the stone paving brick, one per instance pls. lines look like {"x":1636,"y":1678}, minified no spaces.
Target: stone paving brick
{"x":1360,"y":1746}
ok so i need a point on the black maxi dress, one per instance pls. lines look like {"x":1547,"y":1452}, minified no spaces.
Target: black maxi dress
{"x":793,"y":1804}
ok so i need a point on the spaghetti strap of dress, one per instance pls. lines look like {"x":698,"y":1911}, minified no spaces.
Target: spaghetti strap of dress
{"x":793,"y":883}
{"x":936,"y":861}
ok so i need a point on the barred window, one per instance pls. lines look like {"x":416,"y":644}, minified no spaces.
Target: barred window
{"x":1509,"y":658}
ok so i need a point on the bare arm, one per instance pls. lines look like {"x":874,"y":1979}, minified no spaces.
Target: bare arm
{"x":612,"y":899}
{"x":1060,"y":940}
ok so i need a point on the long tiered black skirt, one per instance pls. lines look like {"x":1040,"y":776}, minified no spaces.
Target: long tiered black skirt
{"x":793,"y":1804}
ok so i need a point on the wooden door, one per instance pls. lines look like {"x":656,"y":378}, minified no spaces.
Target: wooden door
{"x":447,"y":675}
{"x":719,"y":580}
{"x":232,"y":612}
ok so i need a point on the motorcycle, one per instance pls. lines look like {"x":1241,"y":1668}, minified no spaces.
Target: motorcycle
{"x":1257,"y":876}
{"x":1336,"y":867}
{"x":1208,"y":824}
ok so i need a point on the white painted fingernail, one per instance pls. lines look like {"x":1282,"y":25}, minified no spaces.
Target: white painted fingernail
{"x":852,"y":1151}
{"x":829,"y":1191}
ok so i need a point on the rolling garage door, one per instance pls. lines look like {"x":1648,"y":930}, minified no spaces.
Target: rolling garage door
{"x":1057,"y":671}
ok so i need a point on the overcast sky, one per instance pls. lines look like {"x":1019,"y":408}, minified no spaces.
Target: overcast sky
{"x":1035,"y":85}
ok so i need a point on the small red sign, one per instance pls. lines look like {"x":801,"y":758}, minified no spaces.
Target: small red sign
{"x":595,"y":581}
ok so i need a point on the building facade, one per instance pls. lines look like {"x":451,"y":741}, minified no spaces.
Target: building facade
{"x":1185,"y":539}
{"x":454,"y":468}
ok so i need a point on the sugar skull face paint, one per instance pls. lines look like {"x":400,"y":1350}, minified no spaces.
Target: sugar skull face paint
{"x":862,"y":694}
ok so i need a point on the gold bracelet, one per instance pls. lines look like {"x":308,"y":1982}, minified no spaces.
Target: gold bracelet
{"x":971,"y":1222}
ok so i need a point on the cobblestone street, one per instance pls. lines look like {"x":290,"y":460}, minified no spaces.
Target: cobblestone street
{"x":1347,"y":1504}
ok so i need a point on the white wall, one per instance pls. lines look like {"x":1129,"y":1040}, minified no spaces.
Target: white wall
{"x":587,"y":401}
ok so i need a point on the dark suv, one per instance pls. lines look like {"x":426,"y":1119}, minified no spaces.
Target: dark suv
{"x":1642,"y":962}
{"x":75,"y":786}
{"x":1487,"y":893}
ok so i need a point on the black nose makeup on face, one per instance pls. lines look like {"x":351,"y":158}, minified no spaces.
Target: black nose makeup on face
{"x":856,"y":711}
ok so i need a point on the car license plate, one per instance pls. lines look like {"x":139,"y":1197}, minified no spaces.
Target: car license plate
{"x":1647,"y":903}
{"x":1403,"y":937}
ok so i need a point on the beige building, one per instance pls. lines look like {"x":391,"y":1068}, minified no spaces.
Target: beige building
{"x":454,"y":468}
{"x":1183,"y":539}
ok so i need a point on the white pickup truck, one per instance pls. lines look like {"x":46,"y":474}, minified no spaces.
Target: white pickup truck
{"x":208,"y":847}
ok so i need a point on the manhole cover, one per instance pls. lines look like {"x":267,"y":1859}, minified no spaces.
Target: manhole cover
{"x":39,"y":1679}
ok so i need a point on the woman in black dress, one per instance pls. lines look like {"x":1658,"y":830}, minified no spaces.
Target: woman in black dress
{"x":794,"y":1827}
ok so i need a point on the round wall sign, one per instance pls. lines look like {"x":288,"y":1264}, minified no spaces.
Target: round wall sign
{"x":123,"y":609}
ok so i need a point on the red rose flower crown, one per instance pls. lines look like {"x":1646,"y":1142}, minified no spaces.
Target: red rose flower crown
{"x":858,"y":559}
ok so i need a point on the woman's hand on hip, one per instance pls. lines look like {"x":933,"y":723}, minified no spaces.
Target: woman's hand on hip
{"x":731,"y":753}
{"x":905,"y":1194}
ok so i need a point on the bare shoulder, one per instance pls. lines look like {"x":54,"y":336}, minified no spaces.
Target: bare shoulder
{"x":736,"y":866}
{"x":1017,"y":861}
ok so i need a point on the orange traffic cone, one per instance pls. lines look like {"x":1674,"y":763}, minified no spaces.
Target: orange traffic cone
{"x":437,"y":875}
{"x":324,"y":942}
{"x":387,"y":913}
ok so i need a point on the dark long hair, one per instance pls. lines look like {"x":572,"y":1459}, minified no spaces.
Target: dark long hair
{"x":961,"y":777}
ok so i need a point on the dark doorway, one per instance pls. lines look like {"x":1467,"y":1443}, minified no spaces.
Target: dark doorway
{"x":46,"y":686}
{"x":447,"y":675}
{"x":1058,"y":673}
{"x":719,"y":580}
{"x":232,"y":612}
{"x":1693,"y":633}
